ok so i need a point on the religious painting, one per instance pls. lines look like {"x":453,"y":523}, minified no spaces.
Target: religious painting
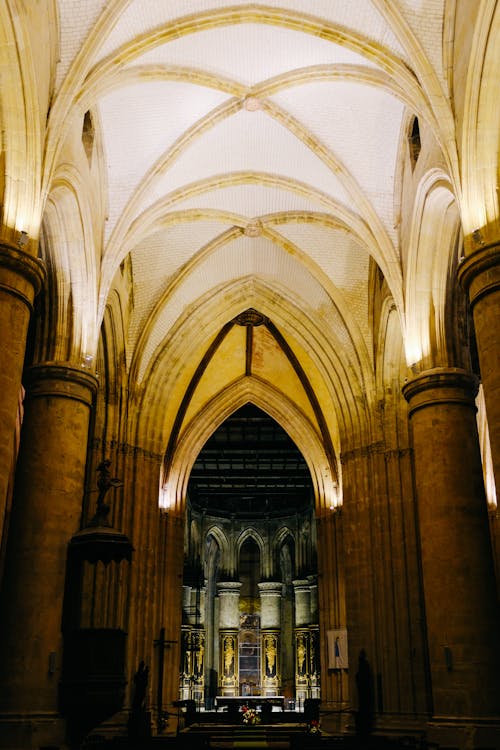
{"x":302,"y":643}
{"x":228,"y":655}
{"x":271,"y":655}
{"x":337,"y":649}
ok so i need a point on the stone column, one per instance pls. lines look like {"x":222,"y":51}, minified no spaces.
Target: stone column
{"x":479,"y":274}
{"x":270,"y":623}
{"x":302,"y":593}
{"x":229,"y":623}
{"x":459,"y":589}
{"x":21,"y":278}
{"x":45,"y":515}
{"x":314,"y":607}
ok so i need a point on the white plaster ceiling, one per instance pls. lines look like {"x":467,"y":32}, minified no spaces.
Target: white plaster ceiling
{"x":284,"y":114}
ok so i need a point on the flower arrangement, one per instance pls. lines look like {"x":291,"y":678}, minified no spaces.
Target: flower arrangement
{"x":313,"y":727}
{"x":250,"y":715}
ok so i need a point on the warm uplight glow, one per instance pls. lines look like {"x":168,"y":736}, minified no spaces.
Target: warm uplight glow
{"x":336,"y":497}
{"x":417,"y":341}
{"x":87,"y":360}
{"x":473,"y":214}
{"x":165,"y":498}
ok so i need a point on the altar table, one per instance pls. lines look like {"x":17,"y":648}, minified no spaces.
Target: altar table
{"x":234,"y":702}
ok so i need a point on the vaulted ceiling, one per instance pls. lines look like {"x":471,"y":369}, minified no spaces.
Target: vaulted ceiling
{"x":214,"y":157}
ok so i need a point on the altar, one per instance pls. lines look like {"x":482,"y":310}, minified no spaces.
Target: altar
{"x":263,"y":702}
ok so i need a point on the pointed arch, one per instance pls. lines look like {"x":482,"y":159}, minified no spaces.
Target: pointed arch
{"x":282,"y":410}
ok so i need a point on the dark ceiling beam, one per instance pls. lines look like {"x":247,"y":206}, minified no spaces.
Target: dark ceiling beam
{"x":240,"y":476}
{"x":231,"y":446}
{"x":244,"y":492}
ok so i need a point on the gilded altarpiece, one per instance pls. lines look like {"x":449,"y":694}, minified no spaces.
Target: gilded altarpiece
{"x":229,"y":662}
{"x":270,"y":664}
{"x":302,"y":664}
{"x":197,"y":661}
{"x":186,"y":663}
{"x":192,"y":663}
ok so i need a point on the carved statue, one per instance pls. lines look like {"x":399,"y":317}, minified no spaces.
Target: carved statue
{"x":104,"y":483}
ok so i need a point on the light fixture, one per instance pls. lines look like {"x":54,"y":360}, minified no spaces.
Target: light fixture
{"x":23,"y":239}
{"x":87,"y":360}
{"x":477,"y":237}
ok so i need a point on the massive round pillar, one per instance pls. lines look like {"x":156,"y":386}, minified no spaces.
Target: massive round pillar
{"x":21,"y":278}
{"x":462,"y":615}
{"x":480,"y":275}
{"x":46,"y":513}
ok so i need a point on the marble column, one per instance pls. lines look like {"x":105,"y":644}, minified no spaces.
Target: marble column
{"x":479,"y":274}
{"x":21,"y":278}
{"x":270,"y":623}
{"x":313,"y":603}
{"x":229,"y":623}
{"x":46,"y":513}
{"x":302,"y":594}
{"x":462,"y":615}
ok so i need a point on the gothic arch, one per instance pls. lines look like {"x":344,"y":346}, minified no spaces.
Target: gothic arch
{"x":435,"y":221}
{"x":248,"y":534}
{"x":222,"y":541}
{"x":293,"y":421}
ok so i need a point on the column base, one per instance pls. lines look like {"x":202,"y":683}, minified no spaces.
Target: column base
{"x":464,"y":734}
{"x":32,"y":730}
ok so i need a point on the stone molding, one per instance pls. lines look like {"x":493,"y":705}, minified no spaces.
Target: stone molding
{"x":479,"y":273}
{"x":25,"y":266}
{"x":443,"y":385}
{"x":126,"y":449}
{"x":373,"y":449}
{"x":270,"y":588}
{"x":61,"y":380}
{"x":228,"y":587}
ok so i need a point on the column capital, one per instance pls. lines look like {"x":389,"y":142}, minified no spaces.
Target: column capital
{"x":301,"y":584}
{"x":15,"y":264}
{"x":479,"y":272}
{"x":441,"y":385}
{"x":61,"y":379}
{"x":270,"y":588}
{"x":228,"y":587}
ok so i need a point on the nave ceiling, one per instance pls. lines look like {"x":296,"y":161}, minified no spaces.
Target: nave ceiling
{"x":204,"y":159}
